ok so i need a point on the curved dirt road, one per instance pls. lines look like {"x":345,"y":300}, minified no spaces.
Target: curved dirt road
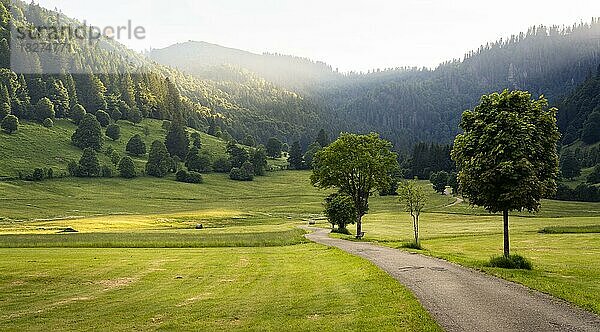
{"x":461,"y":299}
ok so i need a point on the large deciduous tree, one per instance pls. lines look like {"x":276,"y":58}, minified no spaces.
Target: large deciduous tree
{"x":274,"y":146}
{"x":507,"y":155}
{"x":357,"y":165}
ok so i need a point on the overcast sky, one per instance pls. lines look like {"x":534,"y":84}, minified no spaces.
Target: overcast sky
{"x":348,"y":34}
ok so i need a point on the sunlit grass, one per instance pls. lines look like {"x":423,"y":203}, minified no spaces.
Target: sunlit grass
{"x":301,"y":288}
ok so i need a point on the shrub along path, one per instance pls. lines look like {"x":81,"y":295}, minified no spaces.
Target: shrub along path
{"x":461,"y":299}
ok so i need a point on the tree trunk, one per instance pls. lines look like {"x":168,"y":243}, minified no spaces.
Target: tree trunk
{"x":506,"y":239}
{"x":416,"y":229}
{"x":358,"y":225}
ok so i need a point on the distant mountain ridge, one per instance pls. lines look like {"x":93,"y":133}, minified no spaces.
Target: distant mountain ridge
{"x":408,"y":105}
{"x":287,"y":71}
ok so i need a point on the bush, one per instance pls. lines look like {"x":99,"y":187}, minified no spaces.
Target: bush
{"x":340,"y":210}
{"x":38,"y":175}
{"x":103,"y":118}
{"x":511,"y":262}
{"x":106,"y":171}
{"x":10,"y":124}
{"x":222,"y":165}
{"x":73,"y":168}
{"x":77,"y":113}
{"x":343,"y":231}
{"x":127,"y":168}
{"x":44,"y":109}
{"x":245,"y":173}
{"x":113,"y":131}
{"x":412,"y":245}
{"x":188,"y":177}
{"x":48,"y":123}
{"x":136,"y":146}
{"x":166,"y":125}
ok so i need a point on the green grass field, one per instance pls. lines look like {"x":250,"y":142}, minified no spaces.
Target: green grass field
{"x":250,"y":268}
{"x":138,"y":258}
{"x":293,"y":288}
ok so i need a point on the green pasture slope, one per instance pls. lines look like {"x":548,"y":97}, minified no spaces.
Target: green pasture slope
{"x":138,"y":257}
{"x":138,"y":263}
{"x":34,"y":145}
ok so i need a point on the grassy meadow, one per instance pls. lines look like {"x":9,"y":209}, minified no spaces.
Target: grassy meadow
{"x":22,"y":150}
{"x":137,"y":255}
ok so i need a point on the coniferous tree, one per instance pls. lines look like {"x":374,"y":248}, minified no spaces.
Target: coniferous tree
{"x":591,"y":128}
{"x":91,"y":93}
{"x":134,"y":115}
{"x":296,"y":160}
{"x":4,"y":110}
{"x":310,"y":154}
{"x":198,"y":161}
{"x":196,"y":141}
{"x":113,"y":131}
{"x":77,"y":113}
{"x":259,"y":161}
{"x":60,"y":98}
{"x":177,"y":140}
{"x":159,"y":163}
{"x":88,"y":134}
{"x":44,"y":109}
{"x":212,"y":128}
{"x":569,"y":165}
{"x":322,"y":138}
{"x":10,"y":124}
{"x":127,"y":168}
{"x":89,"y":166}
{"x":4,"y":54}
{"x":249,"y":140}
{"x":237,"y":156}
{"x":136,"y":146}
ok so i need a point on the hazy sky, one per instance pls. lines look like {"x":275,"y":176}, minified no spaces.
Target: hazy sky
{"x":348,"y":34}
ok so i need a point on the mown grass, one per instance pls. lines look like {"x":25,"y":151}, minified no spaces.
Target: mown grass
{"x":296,"y":288}
{"x":278,"y":195}
{"x":565,"y":265}
{"x":571,"y":229}
{"x":154,"y":239}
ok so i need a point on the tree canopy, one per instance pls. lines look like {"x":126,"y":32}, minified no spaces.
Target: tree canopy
{"x":356,"y":165}
{"x":507,"y":156}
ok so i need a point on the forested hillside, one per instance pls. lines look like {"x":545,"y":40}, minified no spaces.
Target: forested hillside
{"x":408,"y":105}
{"x":292,"y":98}
{"x":580,"y":112}
{"x":128,"y":86}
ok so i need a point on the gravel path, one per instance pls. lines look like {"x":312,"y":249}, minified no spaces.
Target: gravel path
{"x":461,"y":299}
